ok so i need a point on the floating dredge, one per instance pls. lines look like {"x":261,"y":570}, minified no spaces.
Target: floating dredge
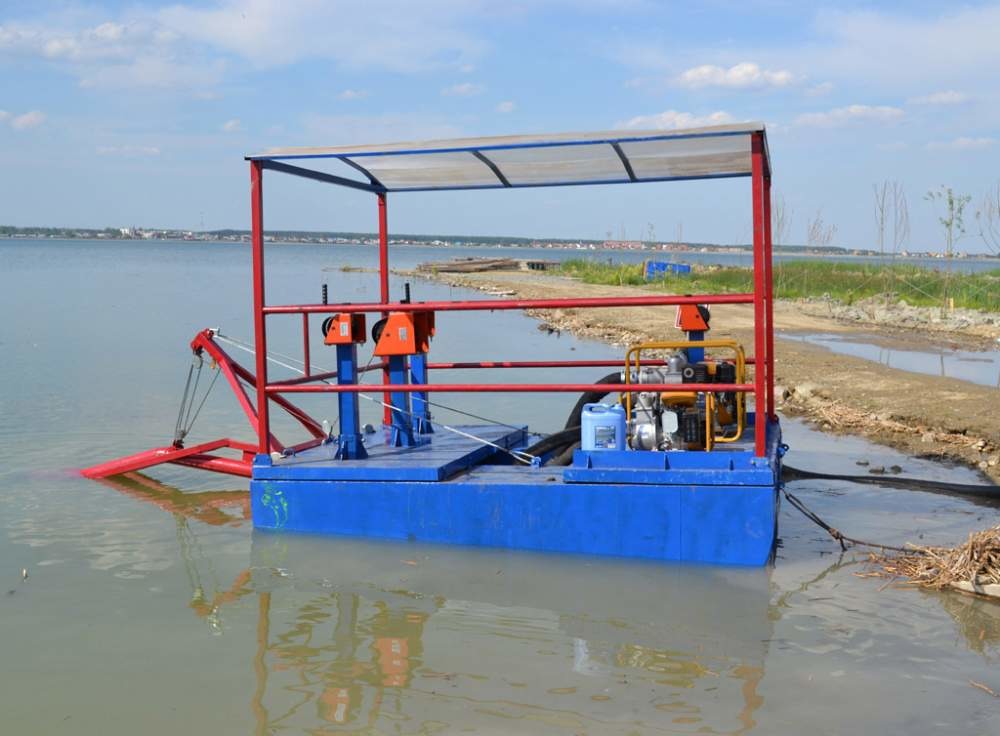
{"x":674,"y":465}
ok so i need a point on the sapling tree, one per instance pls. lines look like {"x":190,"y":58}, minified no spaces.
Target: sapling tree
{"x":988,"y":218}
{"x":953,"y":222}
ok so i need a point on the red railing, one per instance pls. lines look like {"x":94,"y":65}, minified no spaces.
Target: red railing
{"x":761,"y":298}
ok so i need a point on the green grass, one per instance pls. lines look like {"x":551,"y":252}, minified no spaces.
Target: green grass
{"x":846,"y":282}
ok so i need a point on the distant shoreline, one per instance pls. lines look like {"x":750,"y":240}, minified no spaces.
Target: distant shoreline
{"x":572,"y":246}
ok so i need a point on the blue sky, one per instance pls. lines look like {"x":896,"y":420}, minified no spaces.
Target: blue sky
{"x":119,"y":113}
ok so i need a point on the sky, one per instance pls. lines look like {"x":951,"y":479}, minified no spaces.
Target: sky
{"x":140,"y":113}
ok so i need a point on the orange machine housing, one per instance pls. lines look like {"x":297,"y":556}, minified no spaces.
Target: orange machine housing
{"x":406,"y":333}
{"x":692,"y":318}
{"x":345,"y":329}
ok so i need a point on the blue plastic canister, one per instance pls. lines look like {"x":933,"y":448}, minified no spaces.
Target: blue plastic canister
{"x":602,"y":427}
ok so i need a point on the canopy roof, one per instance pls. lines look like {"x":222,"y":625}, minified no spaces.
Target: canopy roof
{"x":612,"y":157}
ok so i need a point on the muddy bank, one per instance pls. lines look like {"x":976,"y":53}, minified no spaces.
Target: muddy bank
{"x":927,"y":416}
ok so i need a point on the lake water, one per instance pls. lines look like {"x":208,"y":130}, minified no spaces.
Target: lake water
{"x":975,"y":366}
{"x":152,"y":607}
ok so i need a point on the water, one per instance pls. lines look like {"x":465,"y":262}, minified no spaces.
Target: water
{"x":982,"y":367}
{"x":152,"y":606}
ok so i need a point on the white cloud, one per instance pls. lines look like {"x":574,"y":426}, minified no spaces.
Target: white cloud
{"x":465,"y":89}
{"x":232,"y":126}
{"x":28,"y":120}
{"x":506,"y":106}
{"x":353,"y":94}
{"x":740,"y":76}
{"x":962,"y":143}
{"x":188,"y":45}
{"x":946,"y":97}
{"x":819,"y":90}
{"x":128,"y":151}
{"x":958,"y":42}
{"x":349,"y":129}
{"x":840,"y":116}
{"x":672,"y":120}
{"x":4,"y":116}
{"x":269,"y":33}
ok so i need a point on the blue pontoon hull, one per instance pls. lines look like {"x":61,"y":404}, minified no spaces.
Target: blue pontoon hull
{"x":718,"y":507}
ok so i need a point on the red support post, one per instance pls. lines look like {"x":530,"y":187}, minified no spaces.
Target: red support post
{"x":769,"y":293}
{"x":383,"y":283}
{"x":759,"y":295}
{"x":259,"y":325}
{"x":307,"y":368}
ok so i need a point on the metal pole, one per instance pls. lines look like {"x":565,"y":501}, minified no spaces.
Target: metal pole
{"x":259,"y":326}
{"x":759,"y":290}
{"x":383,"y":282}
{"x":769,"y":290}
{"x":307,"y":368}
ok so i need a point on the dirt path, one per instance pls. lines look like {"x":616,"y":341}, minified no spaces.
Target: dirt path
{"x":923,"y":415}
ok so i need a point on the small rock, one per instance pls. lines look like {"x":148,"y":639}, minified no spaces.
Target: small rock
{"x":895,"y":469}
{"x":993,"y":461}
{"x":862,"y":463}
{"x":805,"y":390}
{"x":880,"y":470}
{"x":927,"y":437}
{"x":983,"y":465}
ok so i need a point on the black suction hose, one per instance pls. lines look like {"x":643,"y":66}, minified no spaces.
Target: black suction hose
{"x":590,"y":397}
{"x":555,"y":442}
{"x":933,"y":486}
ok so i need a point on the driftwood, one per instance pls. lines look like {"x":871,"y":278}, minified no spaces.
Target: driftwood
{"x":973,"y":567}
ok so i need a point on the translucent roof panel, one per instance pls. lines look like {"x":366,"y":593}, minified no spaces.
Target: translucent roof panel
{"x":570,"y":164}
{"x":420,"y":171}
{"x":685,"y":157}
{"x":535,"y":160}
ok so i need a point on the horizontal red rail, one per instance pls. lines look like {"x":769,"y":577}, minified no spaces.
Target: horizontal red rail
{"x":606,"y":363}
{"x":282,"y":388}
{"x":494,"y":304}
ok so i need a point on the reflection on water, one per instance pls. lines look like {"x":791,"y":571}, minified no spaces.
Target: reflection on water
{"x":981,"y":367}
{"x":357,"y":635}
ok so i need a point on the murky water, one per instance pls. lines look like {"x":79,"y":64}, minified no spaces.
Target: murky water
{"x":982,"y":366}
{"x":152,"y":607}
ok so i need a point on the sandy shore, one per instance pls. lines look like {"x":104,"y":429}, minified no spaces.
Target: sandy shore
{"x":926,"y":416}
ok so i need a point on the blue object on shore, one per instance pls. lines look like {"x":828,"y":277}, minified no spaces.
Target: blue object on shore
{"x":602,"y":427}
{"x":659,"y":269}
{"x":718,"y":507}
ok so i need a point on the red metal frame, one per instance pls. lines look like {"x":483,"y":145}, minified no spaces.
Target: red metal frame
{"x":258,"y":412}
{"x":761,"y":298}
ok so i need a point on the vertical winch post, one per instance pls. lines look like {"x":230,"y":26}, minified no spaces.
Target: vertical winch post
{"x":419,"y":406}
{"x":350,"y":445}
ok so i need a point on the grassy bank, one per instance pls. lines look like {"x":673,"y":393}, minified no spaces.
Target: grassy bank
{"x":847,"y":282}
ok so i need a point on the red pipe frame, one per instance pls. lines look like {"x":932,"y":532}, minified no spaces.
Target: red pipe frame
{"x":490,"y":305}
{"x":762,"y":300}
{"x":360,"y":388}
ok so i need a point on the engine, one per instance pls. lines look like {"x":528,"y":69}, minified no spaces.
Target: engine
{"x":683,"y":420}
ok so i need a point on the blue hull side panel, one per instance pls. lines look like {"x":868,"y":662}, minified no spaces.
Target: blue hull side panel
{"x":718,"y":524}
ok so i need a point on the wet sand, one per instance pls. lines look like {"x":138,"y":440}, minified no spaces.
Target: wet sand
{"x":923,"y":415}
